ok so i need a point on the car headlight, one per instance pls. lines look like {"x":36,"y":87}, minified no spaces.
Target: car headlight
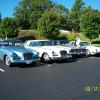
{"x":37,"y":54}
{"x":15,"y":56}
{"x":54,"y":54}
{"x":34,"y":52}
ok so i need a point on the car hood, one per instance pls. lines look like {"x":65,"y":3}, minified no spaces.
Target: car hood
{"x":90,"y":46}
{"x":16,"y":49}
{"x":72,"y":46}
{"x":62,"y":47}
{"x":52,"y":48}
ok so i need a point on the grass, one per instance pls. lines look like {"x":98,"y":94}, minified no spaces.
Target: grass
{"x":25,"y":33}
{"x":97,"y":45}
{"x":96,"y":42}
{"x":30,"y":34}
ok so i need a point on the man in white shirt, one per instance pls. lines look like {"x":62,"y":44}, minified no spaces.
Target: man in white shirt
{"x":78,"y":40}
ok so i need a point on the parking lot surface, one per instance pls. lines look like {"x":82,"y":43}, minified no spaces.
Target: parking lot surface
{"x":75,"y":80}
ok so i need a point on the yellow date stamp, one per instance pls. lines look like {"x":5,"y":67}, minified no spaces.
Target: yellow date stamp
{"x":92,"y":88}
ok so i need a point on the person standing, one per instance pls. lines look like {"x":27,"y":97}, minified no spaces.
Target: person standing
{"x":78,"y":40}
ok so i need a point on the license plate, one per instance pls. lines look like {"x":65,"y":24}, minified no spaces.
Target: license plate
{"x":28,"y":62}
{"x":64,"y":57}
{"x":68,"y":56}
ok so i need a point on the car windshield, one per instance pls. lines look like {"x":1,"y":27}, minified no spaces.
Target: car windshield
{"x":71,"y":43}
{"x":60,"y":42}
{"x":34,"y":44}
{"x":45,"y":43}
{"x":10,"y":43}
{"x":41,"y":43}
{"x":83,"y":43}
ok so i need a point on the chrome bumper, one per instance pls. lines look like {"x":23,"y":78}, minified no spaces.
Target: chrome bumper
{"x":68,"y":56}
{"x":25,"y":61}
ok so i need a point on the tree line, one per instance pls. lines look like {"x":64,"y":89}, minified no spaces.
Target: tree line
{"x":48,"y":18}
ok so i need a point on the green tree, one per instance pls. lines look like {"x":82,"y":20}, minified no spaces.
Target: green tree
{"x":61,"y":10}
{"x":49,"y":24}
{"x":0,"y":17}
{"x":37,"y":9}
{"x":74,"y":15}
{"x":29,"y":11}
{"x":22,"y":14}
{"x":8,"y":28}
{"x":90,"y":23}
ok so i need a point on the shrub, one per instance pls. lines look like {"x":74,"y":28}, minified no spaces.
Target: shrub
{"x":8,"y":28}
{"x":49,"y":24}
{"x":71,"y":36}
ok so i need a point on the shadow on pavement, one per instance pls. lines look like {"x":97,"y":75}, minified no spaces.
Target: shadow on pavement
{"x":38,"y":64}
{"x":97,"y":54}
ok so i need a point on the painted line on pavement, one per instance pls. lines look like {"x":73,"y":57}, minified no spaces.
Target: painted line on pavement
{"x":2,"y":70}
{"x":97,"y":58}
{"x":78,"y":61}
{"x":48,"y":65}
{"x":92,"y":57}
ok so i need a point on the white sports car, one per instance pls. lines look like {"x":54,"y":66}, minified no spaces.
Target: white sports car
{"x":74,"y":50}
{"x":92,"y":50}
{"x":47,"y":51}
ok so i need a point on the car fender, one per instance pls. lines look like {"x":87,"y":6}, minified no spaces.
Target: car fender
{"x":41,"y":52}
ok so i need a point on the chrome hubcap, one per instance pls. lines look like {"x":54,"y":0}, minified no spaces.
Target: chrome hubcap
{"x":7,"y":61}
{"x":46,"y":57}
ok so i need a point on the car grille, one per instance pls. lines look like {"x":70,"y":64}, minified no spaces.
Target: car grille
{"x":28,"y":56}
{"x":78,"y":51}
{"x":63,"y":53}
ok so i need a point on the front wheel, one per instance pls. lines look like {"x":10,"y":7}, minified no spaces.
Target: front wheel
{"x":88,"y":53}
{"x":7,"y":61}
{"x":45,"y":57}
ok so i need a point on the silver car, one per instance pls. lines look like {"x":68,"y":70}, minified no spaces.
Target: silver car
{"x":12,"y":53}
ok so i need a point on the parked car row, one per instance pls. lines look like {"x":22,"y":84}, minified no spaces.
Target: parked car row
{"x":12,"y":52}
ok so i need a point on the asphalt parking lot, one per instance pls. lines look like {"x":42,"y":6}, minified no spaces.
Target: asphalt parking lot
{"x":75,"y":80}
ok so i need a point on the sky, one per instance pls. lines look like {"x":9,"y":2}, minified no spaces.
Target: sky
{"x":7,"y":6}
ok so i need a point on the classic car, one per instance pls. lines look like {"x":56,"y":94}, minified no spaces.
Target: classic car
{"x":92,"y":50}
{"x":12,"y":53}
{"x":47,"y":51}
{"x":74,"y":50}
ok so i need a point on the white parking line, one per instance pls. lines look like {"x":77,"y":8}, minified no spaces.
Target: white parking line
{"x":92,"y":57}
{"x":2,"y":70}
{"x":48,"y":65}
{"x":78,"y":61}
{"x":97,"y":58}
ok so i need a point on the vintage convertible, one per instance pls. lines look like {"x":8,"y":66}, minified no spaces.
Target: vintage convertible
{"x":74,"y":50}
{"x":12,"y":53}
{"x":92,"y":50}
{"x":47,"y":51}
